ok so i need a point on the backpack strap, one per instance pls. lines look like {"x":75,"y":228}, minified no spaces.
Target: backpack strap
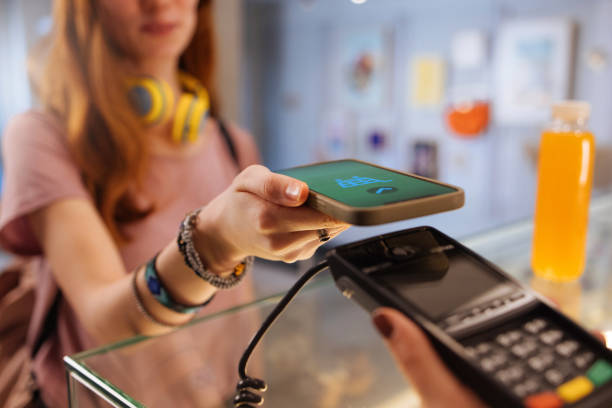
{"x":49,"y":325}
{"x":227,"y":137}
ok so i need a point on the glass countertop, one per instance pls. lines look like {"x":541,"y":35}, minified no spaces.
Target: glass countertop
{"x":323,"y":351}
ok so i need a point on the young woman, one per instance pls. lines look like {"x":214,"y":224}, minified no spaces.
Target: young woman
{"x":97,"y":194}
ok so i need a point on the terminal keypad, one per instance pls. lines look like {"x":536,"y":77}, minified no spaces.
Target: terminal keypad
{"x":538,"y":361}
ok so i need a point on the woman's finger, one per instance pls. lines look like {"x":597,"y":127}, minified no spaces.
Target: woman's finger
{"x":305,"y":252}
{"x":307,"y":249}
{"x":285,"y":219}
{"x":284,"y":243}
{"x":599,"y":335}
{"x":420,"y":363}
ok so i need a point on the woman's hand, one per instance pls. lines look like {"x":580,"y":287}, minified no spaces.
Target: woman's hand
{"x":419,"y":362}
{"x":261,"y":214}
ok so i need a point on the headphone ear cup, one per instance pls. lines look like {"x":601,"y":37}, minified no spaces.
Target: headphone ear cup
{"x":152,"y":99}
{"x":140,"y":99}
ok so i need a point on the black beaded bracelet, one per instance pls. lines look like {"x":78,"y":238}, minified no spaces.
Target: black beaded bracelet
{"x":192,"y":258}
{"x":182,"y":245}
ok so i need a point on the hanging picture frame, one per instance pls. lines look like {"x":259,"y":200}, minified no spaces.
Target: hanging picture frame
{"x":425,"y":158}
{"x":532,"y":69}
{"x":361,"y":61}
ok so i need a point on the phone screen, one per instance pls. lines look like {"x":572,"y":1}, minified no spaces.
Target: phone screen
{"x":361,"y":185}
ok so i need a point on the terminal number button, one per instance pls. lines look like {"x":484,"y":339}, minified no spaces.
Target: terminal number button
{"x":557,"y":375}
{"x":528,"y":387}
{"x":541,"y":362}
{"x":535,"y":326}
{"x":510,"y":374}
{"x":509,"y":338}
{"x":551,"y":337}
{"x":484,"y":348}
{"x":567,"y":348}
{"x":493,"y":362}
{"x":583,"y":359}
{"x":525,"y":348}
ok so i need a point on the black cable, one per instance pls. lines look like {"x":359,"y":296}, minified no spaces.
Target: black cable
{"x":245,"y":397}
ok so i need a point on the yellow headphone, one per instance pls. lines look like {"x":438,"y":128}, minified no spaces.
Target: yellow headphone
{"x":153,"y":100}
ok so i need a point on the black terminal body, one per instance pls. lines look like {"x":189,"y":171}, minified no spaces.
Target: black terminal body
{"x":501,"y":339}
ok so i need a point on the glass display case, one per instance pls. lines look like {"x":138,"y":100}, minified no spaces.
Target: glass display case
{"x":323,"y":351}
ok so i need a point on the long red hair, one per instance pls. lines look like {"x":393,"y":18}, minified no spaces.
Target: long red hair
{"x":81,"y":81}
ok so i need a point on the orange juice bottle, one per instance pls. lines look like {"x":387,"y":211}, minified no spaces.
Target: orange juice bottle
{"x":565,"y":174}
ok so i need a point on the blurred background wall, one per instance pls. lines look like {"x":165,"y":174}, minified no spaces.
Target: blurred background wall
{"x":303,"y":55}
{"x":381,"y":79}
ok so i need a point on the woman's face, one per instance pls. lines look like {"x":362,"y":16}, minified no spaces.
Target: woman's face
{"x":149,"y":29}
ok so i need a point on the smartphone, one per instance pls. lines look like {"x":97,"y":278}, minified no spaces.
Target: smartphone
{"x":362,"y":193}
{"x":501,"y":339}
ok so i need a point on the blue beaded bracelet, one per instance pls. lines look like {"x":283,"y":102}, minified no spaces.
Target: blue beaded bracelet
{"x":160,"y":293}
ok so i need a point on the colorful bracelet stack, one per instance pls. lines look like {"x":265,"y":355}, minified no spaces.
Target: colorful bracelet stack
{"x":194,"y":262}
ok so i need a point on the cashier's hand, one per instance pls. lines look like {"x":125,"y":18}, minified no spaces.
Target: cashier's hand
{"x":420,"y":363}
{"x":262,"y":214}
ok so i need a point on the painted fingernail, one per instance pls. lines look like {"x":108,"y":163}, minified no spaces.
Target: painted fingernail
{"x":383,"y":325}
{"x":293,"y":191}
{"x":599,"y":336}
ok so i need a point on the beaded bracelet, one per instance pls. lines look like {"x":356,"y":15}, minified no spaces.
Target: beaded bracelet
{"x":194,"y":262}
{"x":160,"y":293}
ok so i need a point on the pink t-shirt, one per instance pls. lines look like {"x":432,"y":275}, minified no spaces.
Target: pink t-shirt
{"x":39,"y":170}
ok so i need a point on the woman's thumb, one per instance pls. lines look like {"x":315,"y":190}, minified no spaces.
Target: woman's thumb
{"x":276,"y":188}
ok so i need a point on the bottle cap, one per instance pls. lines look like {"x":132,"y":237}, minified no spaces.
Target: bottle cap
{"x":571,"y":110}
